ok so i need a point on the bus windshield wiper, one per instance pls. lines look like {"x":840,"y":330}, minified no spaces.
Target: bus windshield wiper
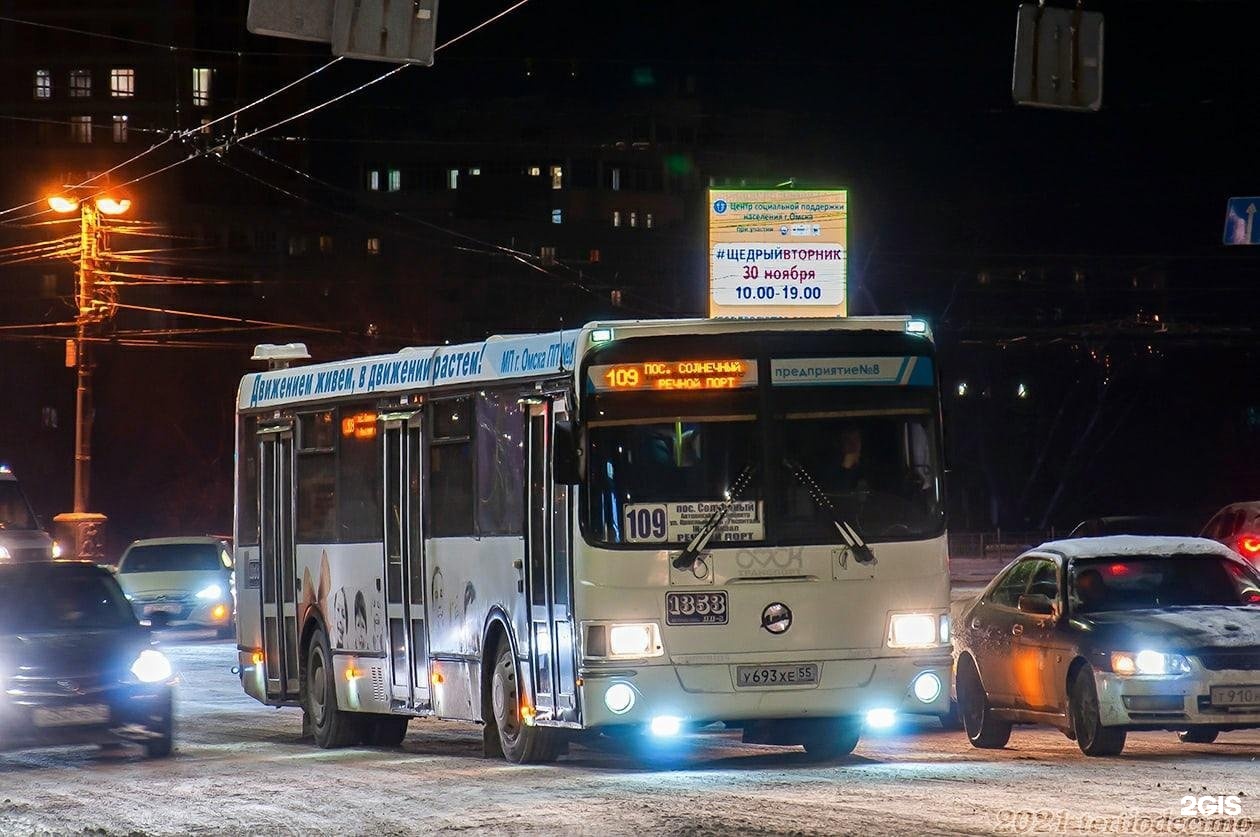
{"x":687,"y":558}
{"x":848,"y":532}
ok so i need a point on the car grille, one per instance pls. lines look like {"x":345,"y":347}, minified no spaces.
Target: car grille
{"x":29,"y":689}
{"x":1233,"y":659}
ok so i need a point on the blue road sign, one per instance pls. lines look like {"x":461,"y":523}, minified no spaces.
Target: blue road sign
{"x":1241,"y":225}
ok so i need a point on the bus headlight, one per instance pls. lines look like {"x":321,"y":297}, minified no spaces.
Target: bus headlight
{"x":619,"y":698}
{"x":639,"y":640}
{"x":927,"y":687}
{"x":913,"y":630}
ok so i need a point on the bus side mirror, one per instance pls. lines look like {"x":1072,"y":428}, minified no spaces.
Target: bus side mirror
{"x":566,"y":463}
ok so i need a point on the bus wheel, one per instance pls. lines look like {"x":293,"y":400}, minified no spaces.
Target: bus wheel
{"x":331,"y":726}
{"x":521,"y":743}
{"x":832,"y":740}
{"x":385,"y":730}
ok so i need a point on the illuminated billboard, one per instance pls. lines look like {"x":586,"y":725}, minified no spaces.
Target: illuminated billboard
{"x":777,"y":253}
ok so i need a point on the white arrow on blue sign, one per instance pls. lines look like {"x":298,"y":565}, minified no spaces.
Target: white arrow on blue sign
{"x":1240,"y":221}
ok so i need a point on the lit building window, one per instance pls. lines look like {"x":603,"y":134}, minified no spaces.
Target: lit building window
{"x":120,"y":129}
{"x":547,"y":254}
{"x":374,"y":246}
{"x":452,"y":178}
{"x":616,"y":180}
{"x":297,"y":245}
{"x":616,"y":217}
{"x":615,"y":297}
{"x":534,"y":171}
{"x":325,"y":243}
{"x":201,"y":86}
{"x":81,"y":128}
{"x":43,"y":84}
{"x":205,"y":125}
{"x":474,"y":171}
{"x":122,"y":82}
{"x":80,"y":84}
{"x":557,"y":216}
{"x":557,"y":177}
{"x":374,"y":181}
{"x":634,"y":218}
{"x":395,"y":180}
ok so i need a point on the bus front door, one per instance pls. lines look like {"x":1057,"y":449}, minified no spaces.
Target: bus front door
{"x":548,"y":576}
{"x":279,"y":605}
{"x":404,"y":562}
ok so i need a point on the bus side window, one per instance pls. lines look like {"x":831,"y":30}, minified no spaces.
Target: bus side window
{"x":500,"y":459}
{"x":451,"y":489}
{"x":316,"y":478}
{"x":359,"y":478}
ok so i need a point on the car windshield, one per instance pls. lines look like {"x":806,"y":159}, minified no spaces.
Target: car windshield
{"x":15,"y":512}
{"x":172,"y":557}
{"x":1141,"y":582}
{"x":55,"y":597}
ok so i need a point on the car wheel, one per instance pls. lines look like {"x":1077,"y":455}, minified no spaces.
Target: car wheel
{"x":1199,"y":735}
{"x":162,"y":746}
{"x":836,"y":739}
{"x":983,"y":730}
{"x":385,"y":730}
{"x":331,"y":726}
{"x":1092,"y":737}
{"x":521,"y":743}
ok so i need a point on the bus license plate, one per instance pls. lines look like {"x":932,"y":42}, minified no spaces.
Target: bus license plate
{"x":70,"y":716}
{"x":695,"y":608}
{"x":1236,"y":695}
{"x":761,"y":677}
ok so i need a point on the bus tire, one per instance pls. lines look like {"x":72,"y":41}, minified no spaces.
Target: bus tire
{"x":332,"y":727}
{"x":520,"y":742}
{"x":385,"y":730}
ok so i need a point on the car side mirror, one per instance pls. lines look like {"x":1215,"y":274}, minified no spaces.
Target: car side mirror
{"x":1036,"y":603}
{"x":566,"y":457}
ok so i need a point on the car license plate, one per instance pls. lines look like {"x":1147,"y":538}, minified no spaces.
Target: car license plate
{"x":162,"y":608}
{"x":69,"y":716}
{"x":762,"y":677}
{"x":695,"y":608}
{"x":1236,"y":695}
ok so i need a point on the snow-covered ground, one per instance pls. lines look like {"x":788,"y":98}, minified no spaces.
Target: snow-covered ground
{"x":240,"y":768}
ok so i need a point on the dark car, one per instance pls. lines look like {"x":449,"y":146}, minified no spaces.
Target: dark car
{"x":1098,"y":636}
{"x":76,"y":667}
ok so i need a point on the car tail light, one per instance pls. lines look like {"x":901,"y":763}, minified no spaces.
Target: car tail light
{"x":1249,"y":545}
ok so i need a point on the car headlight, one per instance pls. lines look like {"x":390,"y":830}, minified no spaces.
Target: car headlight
{"x":56,"y":550}
{"x":214,"y":591}
{"x":1148,"y":662}
{"x":640,"y":640}
{"x":916,"y":630}
{"x":151,"y":667}
{"x":4,"y":554}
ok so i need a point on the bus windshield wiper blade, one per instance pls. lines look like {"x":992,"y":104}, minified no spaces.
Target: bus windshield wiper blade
{"x":687,"y":558}
{"x":848,"y":532}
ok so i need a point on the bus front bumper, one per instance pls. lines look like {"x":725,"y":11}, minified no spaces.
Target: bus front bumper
{"x":705,"y":693}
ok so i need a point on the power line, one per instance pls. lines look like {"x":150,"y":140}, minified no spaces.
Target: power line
{"x":137,"y":41}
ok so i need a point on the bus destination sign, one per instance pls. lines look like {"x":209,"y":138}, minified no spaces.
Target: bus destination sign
{"x":685,"y":375}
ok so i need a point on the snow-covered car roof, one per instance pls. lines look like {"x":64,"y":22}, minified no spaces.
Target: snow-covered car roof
{"x":1121,"y":545}
{"x":190,"y":539}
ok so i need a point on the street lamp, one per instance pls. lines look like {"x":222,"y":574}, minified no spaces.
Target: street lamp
{"x":86,"y":529}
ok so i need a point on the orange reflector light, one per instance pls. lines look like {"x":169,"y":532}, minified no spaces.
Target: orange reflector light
{"x":257,"y":658}
{"x":527,"y":714}
{"x":353,"y":673}
{"x":219,"y":612}
{"x":437,"y":678}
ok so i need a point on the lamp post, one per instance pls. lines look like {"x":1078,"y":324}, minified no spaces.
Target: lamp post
{"x":84,"y":530}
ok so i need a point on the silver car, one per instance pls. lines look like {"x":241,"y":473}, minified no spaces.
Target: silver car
{"x":21,"y":536}
{"x":181,"y":581}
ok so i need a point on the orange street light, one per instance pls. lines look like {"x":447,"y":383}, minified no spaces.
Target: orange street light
{"x":110,"y":206}
{"x":64,"y":205}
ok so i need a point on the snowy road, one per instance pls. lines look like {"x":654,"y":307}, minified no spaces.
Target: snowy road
{"x":240,"y":768}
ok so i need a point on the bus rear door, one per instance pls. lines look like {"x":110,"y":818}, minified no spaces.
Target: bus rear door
{"x":279,"y":606}
{"x":404,"y":560}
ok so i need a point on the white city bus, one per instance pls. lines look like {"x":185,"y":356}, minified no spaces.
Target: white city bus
{"x":634,"y":527}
